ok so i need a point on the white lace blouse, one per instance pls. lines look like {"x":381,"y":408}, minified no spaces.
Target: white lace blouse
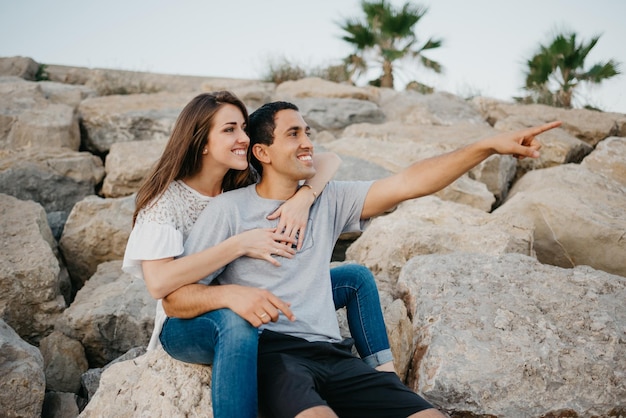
{"x":160,"y":230}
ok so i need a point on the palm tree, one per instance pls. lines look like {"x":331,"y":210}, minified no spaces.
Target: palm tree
{"x":387,"y":34}
{"x":556,"y":70}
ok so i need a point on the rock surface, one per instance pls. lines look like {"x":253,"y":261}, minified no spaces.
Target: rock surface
{"x":30,"y":281}
{"x":503,"y":335}
{"x":23,"y":381}
{"x":153,"y":385}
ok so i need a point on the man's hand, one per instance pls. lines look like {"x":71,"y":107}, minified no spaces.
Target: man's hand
{"x":522,"y":143}
{"x":257,"y":306}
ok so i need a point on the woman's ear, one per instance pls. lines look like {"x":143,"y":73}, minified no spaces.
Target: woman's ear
{"x":260,"y":153}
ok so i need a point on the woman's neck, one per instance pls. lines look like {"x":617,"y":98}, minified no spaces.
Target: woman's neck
{"x":205,"y":185}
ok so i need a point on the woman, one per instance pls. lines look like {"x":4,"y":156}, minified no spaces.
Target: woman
{"x":206,"y":155}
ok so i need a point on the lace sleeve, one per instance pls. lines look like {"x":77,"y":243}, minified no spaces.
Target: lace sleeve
{"x":156,"y":235}
{"x":150,"y":241}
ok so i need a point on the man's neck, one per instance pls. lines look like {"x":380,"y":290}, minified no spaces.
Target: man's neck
{"x":276,"y":190}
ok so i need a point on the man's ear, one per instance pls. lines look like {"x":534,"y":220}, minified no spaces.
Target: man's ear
{"x":260,"y":153}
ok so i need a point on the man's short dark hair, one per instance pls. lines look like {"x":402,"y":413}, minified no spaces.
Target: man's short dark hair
{"x":261,"y":127}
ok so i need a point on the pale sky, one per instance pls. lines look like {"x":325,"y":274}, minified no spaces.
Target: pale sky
{"x":486,"y":42}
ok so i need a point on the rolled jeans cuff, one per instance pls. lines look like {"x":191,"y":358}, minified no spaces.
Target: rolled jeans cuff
{"x":376,"y":359}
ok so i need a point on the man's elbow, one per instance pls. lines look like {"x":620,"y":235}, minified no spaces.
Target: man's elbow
{"x":170,"y":308}
{"x":167,"y":307}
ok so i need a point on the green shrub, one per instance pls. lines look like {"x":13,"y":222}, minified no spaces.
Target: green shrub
{"x":42,"y":73}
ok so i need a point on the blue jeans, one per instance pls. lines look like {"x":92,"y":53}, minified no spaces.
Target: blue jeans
{"x":230,"y":343}
{"x":354,"y":288}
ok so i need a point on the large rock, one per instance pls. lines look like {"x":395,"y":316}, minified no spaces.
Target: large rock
{"x":60,"y":405}
{"x":430,"y":225}
{"x":317,"y":87}
{"x":106,"y":82}
{"x":111,"y":314}
{"x":253,"y":93}
{"x":609,"y":159}
{"x":66,"y":94}
{"x":505,"y":336}
{"x":134,"y":117}
{"x":127,"y":164}
{"x":23,"y":67}
{"x":578,"y":216}
{"x":96,"y":231}
{"x":29,"y":119}
{"x":56,"y":178}
{"x":153,"y":385}
{"x":356,"y":169}
{"x":30,"y":283}
{"x":400,"y":333}
{"x":64,"y":361}
{"x":90,"y":380}
{"x":442,"y":108}
{"x":335,"y":114}
{"x":23,"y":382}
{"x":55,"y":125}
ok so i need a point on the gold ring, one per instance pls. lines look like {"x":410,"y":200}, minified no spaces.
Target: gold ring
{"x":263,"y":315}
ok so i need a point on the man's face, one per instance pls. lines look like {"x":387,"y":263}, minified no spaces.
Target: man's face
{"x":291,"y":152}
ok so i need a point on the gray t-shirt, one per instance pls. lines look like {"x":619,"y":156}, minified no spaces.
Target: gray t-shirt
{"x":304,"y":280}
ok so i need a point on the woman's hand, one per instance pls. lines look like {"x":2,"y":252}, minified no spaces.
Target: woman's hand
{"x":294,"y":214}
{"x":263,"y":243}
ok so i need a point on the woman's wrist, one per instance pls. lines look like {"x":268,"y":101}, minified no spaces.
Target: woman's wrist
{"x":236,"y":246}
{"x":308,"y":186}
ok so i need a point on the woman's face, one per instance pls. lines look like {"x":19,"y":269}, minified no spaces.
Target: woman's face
{"x":228,"y":143}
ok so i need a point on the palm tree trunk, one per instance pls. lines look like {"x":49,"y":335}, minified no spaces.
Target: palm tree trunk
{"x":387,"y":79}
{"x":566,"y":99}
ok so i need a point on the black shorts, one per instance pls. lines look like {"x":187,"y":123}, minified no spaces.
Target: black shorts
{"x":295,"y":375}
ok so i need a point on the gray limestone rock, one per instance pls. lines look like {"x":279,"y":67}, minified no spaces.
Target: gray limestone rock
{"x":23,"y":381}
{"x":30,"y":281}
{"x":504,"y":335}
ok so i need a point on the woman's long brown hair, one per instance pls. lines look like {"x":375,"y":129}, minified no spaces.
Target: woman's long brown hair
{"x":182,"y":156}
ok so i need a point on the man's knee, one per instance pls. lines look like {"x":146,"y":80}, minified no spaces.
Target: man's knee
{"x":363,"y":278}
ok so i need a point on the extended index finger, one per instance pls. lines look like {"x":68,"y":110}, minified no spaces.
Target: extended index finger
{"x":545,"y":127}
{"x":282,"y":306}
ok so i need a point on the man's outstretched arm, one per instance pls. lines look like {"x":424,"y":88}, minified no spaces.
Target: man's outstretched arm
{"x":433,"y":174}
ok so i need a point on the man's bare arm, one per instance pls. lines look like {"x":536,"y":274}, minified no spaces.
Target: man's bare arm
{"x":256,"y":306}
{"x":433,"y":174}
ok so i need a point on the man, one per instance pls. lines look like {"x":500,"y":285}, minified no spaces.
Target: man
{"x":304,"y":368}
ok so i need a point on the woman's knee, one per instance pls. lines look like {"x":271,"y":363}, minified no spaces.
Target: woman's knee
{"x":236,"y":330}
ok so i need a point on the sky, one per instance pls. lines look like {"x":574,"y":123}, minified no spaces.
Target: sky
{"x":486,"y":42}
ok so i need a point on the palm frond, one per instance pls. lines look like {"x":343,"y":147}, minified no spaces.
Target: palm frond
{"x":386,"y":34}
{"x":562,"y":63}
